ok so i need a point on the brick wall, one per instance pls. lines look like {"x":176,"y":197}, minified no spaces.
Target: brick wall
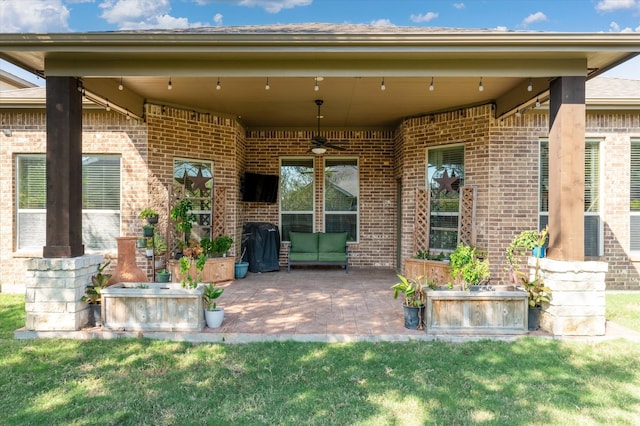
{"x":102,"y":133}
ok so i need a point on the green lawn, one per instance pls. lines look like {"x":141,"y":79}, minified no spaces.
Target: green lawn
{"x":624,"y":308}
{"x":139,"y":381}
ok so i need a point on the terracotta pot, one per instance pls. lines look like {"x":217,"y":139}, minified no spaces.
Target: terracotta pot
{"x":127,"y":270}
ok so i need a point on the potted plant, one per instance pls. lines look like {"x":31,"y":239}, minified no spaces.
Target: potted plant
{"x":150,"y":215}
{"x":469,"y":267}
{"x":149,"y":250}
{"x":183,"y":219}
{"x":241,"y":267}
{"x":141,"y":243}
{"x":147,"y":231}
{"x":525,"y":243}
{"x":217,"y":247}
{"x":414,"y":300}
{"x":163,"y":276}
{"x":213,"y":315}
{"x":93,"y":294}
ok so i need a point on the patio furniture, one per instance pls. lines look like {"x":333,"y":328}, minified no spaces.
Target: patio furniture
{"x":318,"y":248}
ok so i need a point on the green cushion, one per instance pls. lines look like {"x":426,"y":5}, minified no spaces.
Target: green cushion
{"x":303,"y":242}
{"x":332,"y":257}
{"x":303,"y":257}
{"x":332,"y":242}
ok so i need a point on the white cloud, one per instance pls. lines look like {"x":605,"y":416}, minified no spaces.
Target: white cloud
{"x":271,"y":6}
{"x":458,"y":5}
{"x":533,"y":18}
{"x":429,"y":16}
{"x":615,"y":28}
{"x":611,"y":5}
{"x":382,"y":23}
{"x":33,"y":16}
{"x":218,"y":19}
{"x":142,"y":14}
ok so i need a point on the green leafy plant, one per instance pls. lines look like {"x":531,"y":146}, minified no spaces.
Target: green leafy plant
{"x":185,"y":270}
{"x":522,"y":244}
{"x":98,"y":283}
{"x":217,"y":247}
{"x":211,"y":293}
{"x":426,"y":255}
{"x":159,"y":245}
{"x":412,"y":289}
{"x":538,"y":291}
{"x":468,"y":266}
{"x":147,"y":213}
{"x":183,"y":218}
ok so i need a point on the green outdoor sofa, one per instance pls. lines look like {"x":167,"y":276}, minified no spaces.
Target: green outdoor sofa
{"x":318,"y":248}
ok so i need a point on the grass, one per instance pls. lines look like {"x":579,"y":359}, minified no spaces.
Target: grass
{"x":140,"y":381}
{"x":624,"y":308}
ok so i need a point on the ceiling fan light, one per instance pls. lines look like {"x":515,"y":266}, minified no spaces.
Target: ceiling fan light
{"x":318,"y":150}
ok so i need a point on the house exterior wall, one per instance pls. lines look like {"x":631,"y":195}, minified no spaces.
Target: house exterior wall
{"x":102,"y":133}
{"x":501,"y":160}
{"x":376,"y":247}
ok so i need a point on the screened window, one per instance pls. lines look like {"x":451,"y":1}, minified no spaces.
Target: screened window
{"x":634,"y":201}
{"x":296,"y":196}
{"x":445,"y":175}
{"x":193,"y":179}
{"x":341,"y":187}
{"x":100,"y":201}
{"x":592,"y":222}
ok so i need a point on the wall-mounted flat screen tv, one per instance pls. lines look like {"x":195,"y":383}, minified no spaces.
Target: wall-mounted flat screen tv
{"x":260,"y":188}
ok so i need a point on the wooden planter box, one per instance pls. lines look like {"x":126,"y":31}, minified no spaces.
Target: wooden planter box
{"x":476,"y":312}
{"x":437,"y":271}
{"x":160,"y":307}
{"x":217,"y":269}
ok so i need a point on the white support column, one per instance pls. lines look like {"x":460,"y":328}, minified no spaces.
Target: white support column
{"x":54,"y":287}
{"x":577,"y":306}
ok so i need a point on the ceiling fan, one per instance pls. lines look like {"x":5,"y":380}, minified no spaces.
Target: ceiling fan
{"x":320,"y":143}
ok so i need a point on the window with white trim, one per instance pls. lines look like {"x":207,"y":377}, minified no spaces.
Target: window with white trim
{"x":445,"y":176}
{"x":592,"y":222}
{"x":100,"y":201}
{"x":297,"y":188}
{"x":634,"y":196}
{"x":341,"y":189}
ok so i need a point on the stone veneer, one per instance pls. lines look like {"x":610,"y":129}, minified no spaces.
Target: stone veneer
{"x":54,"y":288}
{"x":577,"y":306}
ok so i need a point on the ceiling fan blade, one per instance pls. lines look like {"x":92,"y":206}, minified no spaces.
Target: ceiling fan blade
{"x":334,"y":146}
{"x":318,"y":140}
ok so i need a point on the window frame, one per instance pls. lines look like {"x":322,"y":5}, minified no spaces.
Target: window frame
{"x":324,"y":193}
{"x":282,"y":212}
{"x":196,"y":225}
{"x":632,"y":213}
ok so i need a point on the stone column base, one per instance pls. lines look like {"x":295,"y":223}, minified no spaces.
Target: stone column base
{"x":577,"y":306}
{"x":54,"y":288}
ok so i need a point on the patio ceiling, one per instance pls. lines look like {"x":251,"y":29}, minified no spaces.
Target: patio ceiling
{"x":352,"y":60}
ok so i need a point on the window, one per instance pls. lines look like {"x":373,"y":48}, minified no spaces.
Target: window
{"x":100,"y":201}
{"x":193,"y":179}
{"x":592,"y":223}
{"x":634,"y":201}
{"x":296,"y":196}
{"x":445,"y":176}
{"x":341,"y":187}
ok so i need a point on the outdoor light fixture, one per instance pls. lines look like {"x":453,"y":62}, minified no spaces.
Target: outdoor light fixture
{"x":530,"y":85}
{"x":218,"y":85}
{"x":480,"y":86}
{"x":107,"y":106}
{"x":518,"y":113}
{"x":382,"y":86}
{"x":315,"y":86}
{"x":120,"y":86}
{"x":537,"y":102}
{"x":266,"y":86}
{"x":318,"y":150}
{"x":128,"y":117}
{"x":431,"y":86}
{"x":169,"y":85}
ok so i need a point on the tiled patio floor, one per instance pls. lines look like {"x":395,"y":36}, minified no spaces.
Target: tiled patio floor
{"x":307,"y":304}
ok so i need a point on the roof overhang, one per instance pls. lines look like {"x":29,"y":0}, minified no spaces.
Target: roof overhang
{"x":352,"y":62}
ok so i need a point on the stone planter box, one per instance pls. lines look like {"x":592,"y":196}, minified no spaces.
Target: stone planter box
{"x":217,"y":269}
{"x":160,"y":307}
{"x":476,"y":312}
{"x":437,"y":271}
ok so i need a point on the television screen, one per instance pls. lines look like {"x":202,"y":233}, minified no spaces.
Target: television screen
{"x":260,"y":188}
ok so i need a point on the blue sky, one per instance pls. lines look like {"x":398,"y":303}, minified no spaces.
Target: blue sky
{"x":534,"y":15}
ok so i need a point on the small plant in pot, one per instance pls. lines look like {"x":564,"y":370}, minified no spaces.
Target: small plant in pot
{"x":414,"y":300}
{"x":240,"y":266}
{"x":147,"y":231}
{"x":217,"y":247}
{"x":213,"y":314}
{"x":93,"y":295}
{"x":163,"y":276}
{"x":150,"y":215}
{"x":469,"y":267}
{"x":524,"y":244}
